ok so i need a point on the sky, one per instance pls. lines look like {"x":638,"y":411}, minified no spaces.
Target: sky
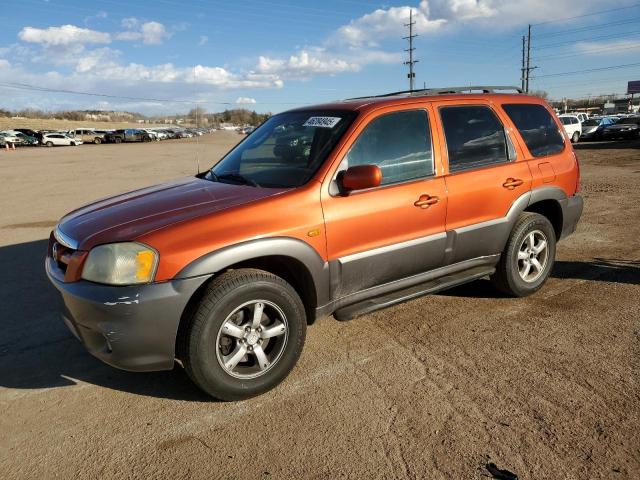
{"x":165,"y":56}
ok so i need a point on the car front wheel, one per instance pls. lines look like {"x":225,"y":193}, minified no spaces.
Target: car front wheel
{"x":245,"y":336}
{"x":528,"y":257}
{"x":49,"y":144}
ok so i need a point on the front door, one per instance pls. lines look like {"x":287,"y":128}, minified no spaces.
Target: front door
{"x":395,"y":230}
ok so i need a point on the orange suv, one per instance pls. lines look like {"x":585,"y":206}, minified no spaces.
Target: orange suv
{"x":338,"y":209}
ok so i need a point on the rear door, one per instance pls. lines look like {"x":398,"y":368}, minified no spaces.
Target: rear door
{"x":485,"y":175}
{"x":395,"y":230}
{"x":545,"y":148}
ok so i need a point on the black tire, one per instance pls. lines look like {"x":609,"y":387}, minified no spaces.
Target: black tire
{"x":575,"y":137}
{"x":225,"y":294}
{"x":49,"y":144}
{"x":97,"y":141}
{"x":117,"y":140}
{"x":507,"y":277}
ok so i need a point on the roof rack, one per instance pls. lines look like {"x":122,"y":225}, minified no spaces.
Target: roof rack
{"x":447,"y":90}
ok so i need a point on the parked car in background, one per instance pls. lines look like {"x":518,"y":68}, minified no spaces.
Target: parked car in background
{"x":162,"y":135}
{"x":59,"y":139}
{"x":27,"y":139}
{"x":592,"y":128}
{"x":32,"y":133}
{"x":625,"y":128}
{"x":128,"y":135}
{"x":11,"y":138}
{"x":572,"y":126}
{"x":583,"y":117}
{"x":88,"y":135}
{"x":152,"y":133}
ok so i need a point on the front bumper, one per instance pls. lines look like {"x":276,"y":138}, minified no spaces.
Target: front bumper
{"x":571,"y":212}
{"x":132,"y":328}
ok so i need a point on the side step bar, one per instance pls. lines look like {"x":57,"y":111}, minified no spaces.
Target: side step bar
{"x":387,"y":300}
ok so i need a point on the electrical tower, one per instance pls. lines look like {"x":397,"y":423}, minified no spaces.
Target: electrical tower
{"x":411,"y":62}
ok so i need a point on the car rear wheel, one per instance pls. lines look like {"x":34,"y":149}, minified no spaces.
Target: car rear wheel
{"x":528,"y":257}
{"x":118,"y":140}
{"x":49,"y":144}
{"x":575,"y":137}
{"x":245,"y":336}
{"x":97,"y":141}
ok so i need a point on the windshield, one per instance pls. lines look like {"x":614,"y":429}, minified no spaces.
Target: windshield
{"x":591,"y":123}
{"x":285,"y":151}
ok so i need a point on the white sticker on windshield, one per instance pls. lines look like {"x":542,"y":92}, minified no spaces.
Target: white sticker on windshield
{"x":322,"y":122}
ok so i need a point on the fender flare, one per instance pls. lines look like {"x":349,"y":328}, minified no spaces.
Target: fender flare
{"x":292,"y":248}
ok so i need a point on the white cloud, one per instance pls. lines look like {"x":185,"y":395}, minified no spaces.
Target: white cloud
{"x":203,"y":39}
{"x":369,"y":29}
{"x":129,"y":23}
{"x":151,"y":33}
{"x":304,"y":65}
{"x":4,"y":63}
{"x":64,"y":35}
{"x":608,"y":48}
{"x":245,"y":100}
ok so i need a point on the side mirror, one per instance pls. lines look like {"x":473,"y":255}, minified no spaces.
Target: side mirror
{"x":361,"y":177}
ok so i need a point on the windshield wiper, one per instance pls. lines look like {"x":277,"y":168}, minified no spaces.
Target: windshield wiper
{"x":236,"y":177}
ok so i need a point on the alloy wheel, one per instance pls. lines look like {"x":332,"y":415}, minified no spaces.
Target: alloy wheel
{"x":252,"y":339}
{"x":533,"y":256}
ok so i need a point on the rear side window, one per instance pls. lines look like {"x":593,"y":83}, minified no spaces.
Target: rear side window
{"x":475,"y":137}
{"x":538,"y":130}
{"x":399,"y":143}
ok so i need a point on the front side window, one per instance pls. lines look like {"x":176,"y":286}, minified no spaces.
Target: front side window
{"x":398,"y":143}
{"x":537,"y":127}
{"x":475,"y":137}
{"x":285,"y":151}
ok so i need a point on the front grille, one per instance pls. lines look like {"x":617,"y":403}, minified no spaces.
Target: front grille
{"x":68,"y":260}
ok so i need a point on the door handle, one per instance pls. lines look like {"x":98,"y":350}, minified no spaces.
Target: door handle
{"x":425,"y":201}
{"x":512,"y":183}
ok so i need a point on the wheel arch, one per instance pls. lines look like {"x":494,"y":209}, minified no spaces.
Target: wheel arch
{"x":295,"y":261}
{"x":548,"y":202}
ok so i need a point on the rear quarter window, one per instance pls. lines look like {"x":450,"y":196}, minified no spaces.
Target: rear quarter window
{"x":537,"y":128}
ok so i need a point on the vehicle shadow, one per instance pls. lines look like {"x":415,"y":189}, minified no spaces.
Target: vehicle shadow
{"x":600,"y":269}
{"x":607,"y":145}
{"x":37,"y":350}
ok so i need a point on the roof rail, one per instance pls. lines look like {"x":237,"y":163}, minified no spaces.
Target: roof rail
{"x":447,"y":90}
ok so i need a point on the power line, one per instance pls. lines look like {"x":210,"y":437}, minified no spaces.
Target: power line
{"x":576,"y":72}
{"x":591,"y":27}
{"x":587,"y":39}
{"x":594,"y":51}
{"x":24,"y":86}
{"x":588,"y":14}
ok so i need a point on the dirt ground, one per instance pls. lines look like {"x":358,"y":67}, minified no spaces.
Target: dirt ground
{"x":546,"y":387}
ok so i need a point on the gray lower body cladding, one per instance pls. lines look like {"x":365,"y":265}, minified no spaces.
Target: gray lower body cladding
{"x":131,"y":328}
{"x":571,"y":212}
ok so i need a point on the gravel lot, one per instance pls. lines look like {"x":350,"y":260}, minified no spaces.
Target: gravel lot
{"x":546,"y":387}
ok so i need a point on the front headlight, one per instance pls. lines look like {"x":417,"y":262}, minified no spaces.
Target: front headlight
{"x":121,"y":264}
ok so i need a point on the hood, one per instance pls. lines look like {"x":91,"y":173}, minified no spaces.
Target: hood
{"x":130,"y":215}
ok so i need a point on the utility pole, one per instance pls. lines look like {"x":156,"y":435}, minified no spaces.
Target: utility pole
{"x":522,"y":67}
{"x":526,"y":86}
{"x":411,"y":75}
